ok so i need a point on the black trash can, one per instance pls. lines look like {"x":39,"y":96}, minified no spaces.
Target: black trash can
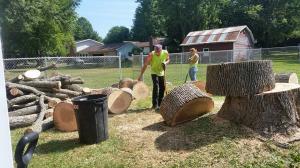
{"x":91,"y":116}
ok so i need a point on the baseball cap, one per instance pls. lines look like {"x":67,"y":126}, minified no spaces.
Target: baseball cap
{"x":158,"y":46}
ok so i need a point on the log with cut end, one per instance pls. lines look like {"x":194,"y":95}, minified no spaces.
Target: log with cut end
{"x":16,"y":92}
{"x":269,"y":112}
{"x":286,"y":78}
{"x":57,"y":95}
{"x":20,"y":106}
{"x":185,"y":103}
{"x":52,"y":66}
{"x":77,"y":88}
{"x":60,"y":77}
{"x":23,"y":88}
{"x":22,"y":121}
{"x":22,"y":99}
{"x":43,"y":84}
{"x":140,"y":90}
{"x":46,"y":124}
{"x":72,"y":81}
{"x":49,"y":113}
{"x":240,"y":79}
{"x":200,"y":85}
{"x":53,"y":102}
{"x":119,"y":100}
{"x":17,"y":79}
{"x":32,"y":74}
{"x":64,"y":117}
{"x":70,"y":93}
{"x":126,"y":83}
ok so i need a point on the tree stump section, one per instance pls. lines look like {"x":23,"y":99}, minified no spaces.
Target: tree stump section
{"x":126,"y":83}
{"x":240,"y":79}
{"x":140,"y":90}
{"x":286,"y":78}
{"x":185,"y":103}
{"x":119,"y":100}
{"x":32,"y":74}
{"x":269,"y":112}
{"x":64,"y":117}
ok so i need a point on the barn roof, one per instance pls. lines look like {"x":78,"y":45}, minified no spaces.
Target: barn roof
{"x":222,"y":35}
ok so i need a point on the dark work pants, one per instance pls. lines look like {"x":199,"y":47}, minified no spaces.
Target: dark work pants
{"x":158,"y":90}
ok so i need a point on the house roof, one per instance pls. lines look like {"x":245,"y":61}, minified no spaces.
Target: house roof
{"x":222,"y":35}
{"x":81,"y":41}
{"x":113,"y":47}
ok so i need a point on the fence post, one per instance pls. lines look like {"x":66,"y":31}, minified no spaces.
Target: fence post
{"x":142,"y":63}
{"x":120,"y":66}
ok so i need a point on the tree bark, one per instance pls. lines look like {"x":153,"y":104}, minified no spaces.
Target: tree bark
{"x":16,"y":92}
{"x":70,"y":93}
{"x":185,"y":103}
{"x":25,"y":111}
{"x":17,"y":79}
{"x":268,"y":113}
{"x":57,"y":95}
{"x":24,"y":88}
{"x":37,"y":125}
{"x":43,"y":84}
{"x":22,"y":99}
{"x":20,"y":106}
{"x":22,"y":121}
{"x":49,"y":113}
{"x":240,"y":79}
{"x":77,"y":88}
{"x":286,"y":78}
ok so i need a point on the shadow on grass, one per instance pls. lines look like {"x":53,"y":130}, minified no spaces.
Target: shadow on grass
{"x":58,"y":146}
{"x":195,"y":134}
{"x":139,"y":110}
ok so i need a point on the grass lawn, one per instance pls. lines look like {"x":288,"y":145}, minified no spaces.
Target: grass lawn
{"x":140,"y":139}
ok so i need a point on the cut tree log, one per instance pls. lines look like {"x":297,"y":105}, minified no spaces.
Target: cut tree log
{"x":185,"y":103}
{"x":140,"y":90}
{"x":72,"y":81}
{"x":70,"y":93}
{"x":286,"y":78}
{"x":64,"y":117}
{"x":46,"y":124}
{"x":126,"y":83}
{"x":60,"y":78}
{"x":37,"y":125}
{"x":43,"y":84}
{"x":49,"y":113}
{"x":25,"y":111}
{"x":20,"y":106}
{"x":200,"y":85}
{"x":22,"y":121}
{"x":77,"y":88}
{"x":32,"y":74}
{"x":16,"y":92}
{"x":22,"y":99}
{"x":17,"y":79}
{"x":57,"y":95}
{"x":23,"y":88}
{"x":240,"y":79}
{"x":269,"y":112}
{"x":52,"y":66}
{"x":119,"y":100}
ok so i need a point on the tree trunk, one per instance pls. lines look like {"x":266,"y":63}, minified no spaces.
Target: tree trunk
{"x":23,"y":88}
{"x":140,"y":90}
{"x":53,"y":102}
{"x":72,"y":81}
{"x":70,"y":93}
{"x":43,"y":84}
{"x":22,"y":121}
{"x":64,"y":117}
{"x":240,"y":79}
{"x":37,"y":125}
{"x":286,"y":78}
{"x":25,"y":111}
{"x":119,"y":100}
{"x":32,"y":74}
{"x":22,"y":99}
{"x":20,"y":106}
{"x":270,"y":112}
{"x":77,"y":88}
{"x":17,"y":79}
{"x":57,"y":95}
{"x":46,"y":124}
{"x":185,"y":103}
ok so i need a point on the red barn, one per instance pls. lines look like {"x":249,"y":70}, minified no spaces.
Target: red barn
{"x":236,"y":38}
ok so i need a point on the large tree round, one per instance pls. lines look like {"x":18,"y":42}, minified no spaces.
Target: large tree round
{"x":240,"y":79}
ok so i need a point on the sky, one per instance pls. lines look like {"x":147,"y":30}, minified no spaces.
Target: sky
{"x":105,"y":14}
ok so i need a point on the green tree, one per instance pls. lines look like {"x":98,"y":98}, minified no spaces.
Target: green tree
{"x":117,"y":34}
{"x":34,"y":28}
{"x":148,"y":21}
{"x":84,"y":30}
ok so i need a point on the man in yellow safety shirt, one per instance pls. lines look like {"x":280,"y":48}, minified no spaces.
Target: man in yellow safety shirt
{"x":157,"y":59}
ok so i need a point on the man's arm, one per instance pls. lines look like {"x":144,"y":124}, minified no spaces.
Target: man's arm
{"x":146,"y":63}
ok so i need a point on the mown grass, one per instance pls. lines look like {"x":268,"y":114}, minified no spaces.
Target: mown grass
{"x":139,"y":138}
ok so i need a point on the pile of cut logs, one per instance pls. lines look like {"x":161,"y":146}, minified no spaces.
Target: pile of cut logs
{"x":32,"y":97}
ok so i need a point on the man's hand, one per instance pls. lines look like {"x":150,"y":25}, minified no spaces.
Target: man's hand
{"x":164,"y":64}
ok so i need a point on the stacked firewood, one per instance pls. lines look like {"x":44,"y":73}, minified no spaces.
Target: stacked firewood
{"x":32,"y":97}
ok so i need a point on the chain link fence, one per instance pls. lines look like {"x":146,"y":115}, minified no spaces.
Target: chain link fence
{"x":96,"y":71}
